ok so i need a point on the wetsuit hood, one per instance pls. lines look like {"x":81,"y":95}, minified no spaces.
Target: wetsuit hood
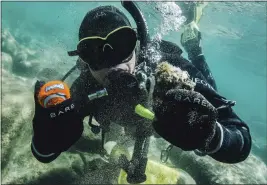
{"x":101,"y":21}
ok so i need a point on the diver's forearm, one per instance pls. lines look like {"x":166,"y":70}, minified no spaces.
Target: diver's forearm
{"x":235,"y":146}
{"x":199,"y":61}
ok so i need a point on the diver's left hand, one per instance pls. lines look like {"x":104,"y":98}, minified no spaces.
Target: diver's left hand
{"x":185,"y":119}
{"x":191,"y":40}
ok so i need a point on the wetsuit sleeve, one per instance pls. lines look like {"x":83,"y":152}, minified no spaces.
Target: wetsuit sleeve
{"x":50,"y":139}
{"x":200,"y":63}
{"x":232,"y":141}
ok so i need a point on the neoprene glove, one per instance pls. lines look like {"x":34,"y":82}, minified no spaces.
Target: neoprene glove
{"x":56,"y":127}
{"x":190,"y":40}
{"x":185,"y":119}
{"x":124,"y":87}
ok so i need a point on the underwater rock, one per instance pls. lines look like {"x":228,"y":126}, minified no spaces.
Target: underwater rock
{"x":24,"y":67}
{"x":7,"y":61}
{"x":260,"y":150}
{"x":24,"y":58}
{"x":206,"y":170}
{"x":9,"y":44}
{"x":185,"y":178}
{"x":12,"y":47}
{"x":17,"y":111}
{"x":31,"y":54}
{"x":47,"y":74}
{"x":99,"y":171}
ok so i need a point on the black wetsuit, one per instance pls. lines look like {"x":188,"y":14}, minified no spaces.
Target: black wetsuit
{"x":236,"y":140}
{"x":235,"y":145}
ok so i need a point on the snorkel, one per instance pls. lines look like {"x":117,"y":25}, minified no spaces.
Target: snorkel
{"x":142,"y":27}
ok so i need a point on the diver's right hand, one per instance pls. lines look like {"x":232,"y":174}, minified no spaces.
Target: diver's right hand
{"x":55,"y":127}
{"x":123,"y":87}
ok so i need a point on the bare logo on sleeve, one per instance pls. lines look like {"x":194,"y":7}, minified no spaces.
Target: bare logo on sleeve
{"x":194,"y":100}
{"x":199,"y":81}
{"x":62,"y":111}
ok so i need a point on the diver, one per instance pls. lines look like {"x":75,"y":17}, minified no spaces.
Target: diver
{"x":111,"y":59}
